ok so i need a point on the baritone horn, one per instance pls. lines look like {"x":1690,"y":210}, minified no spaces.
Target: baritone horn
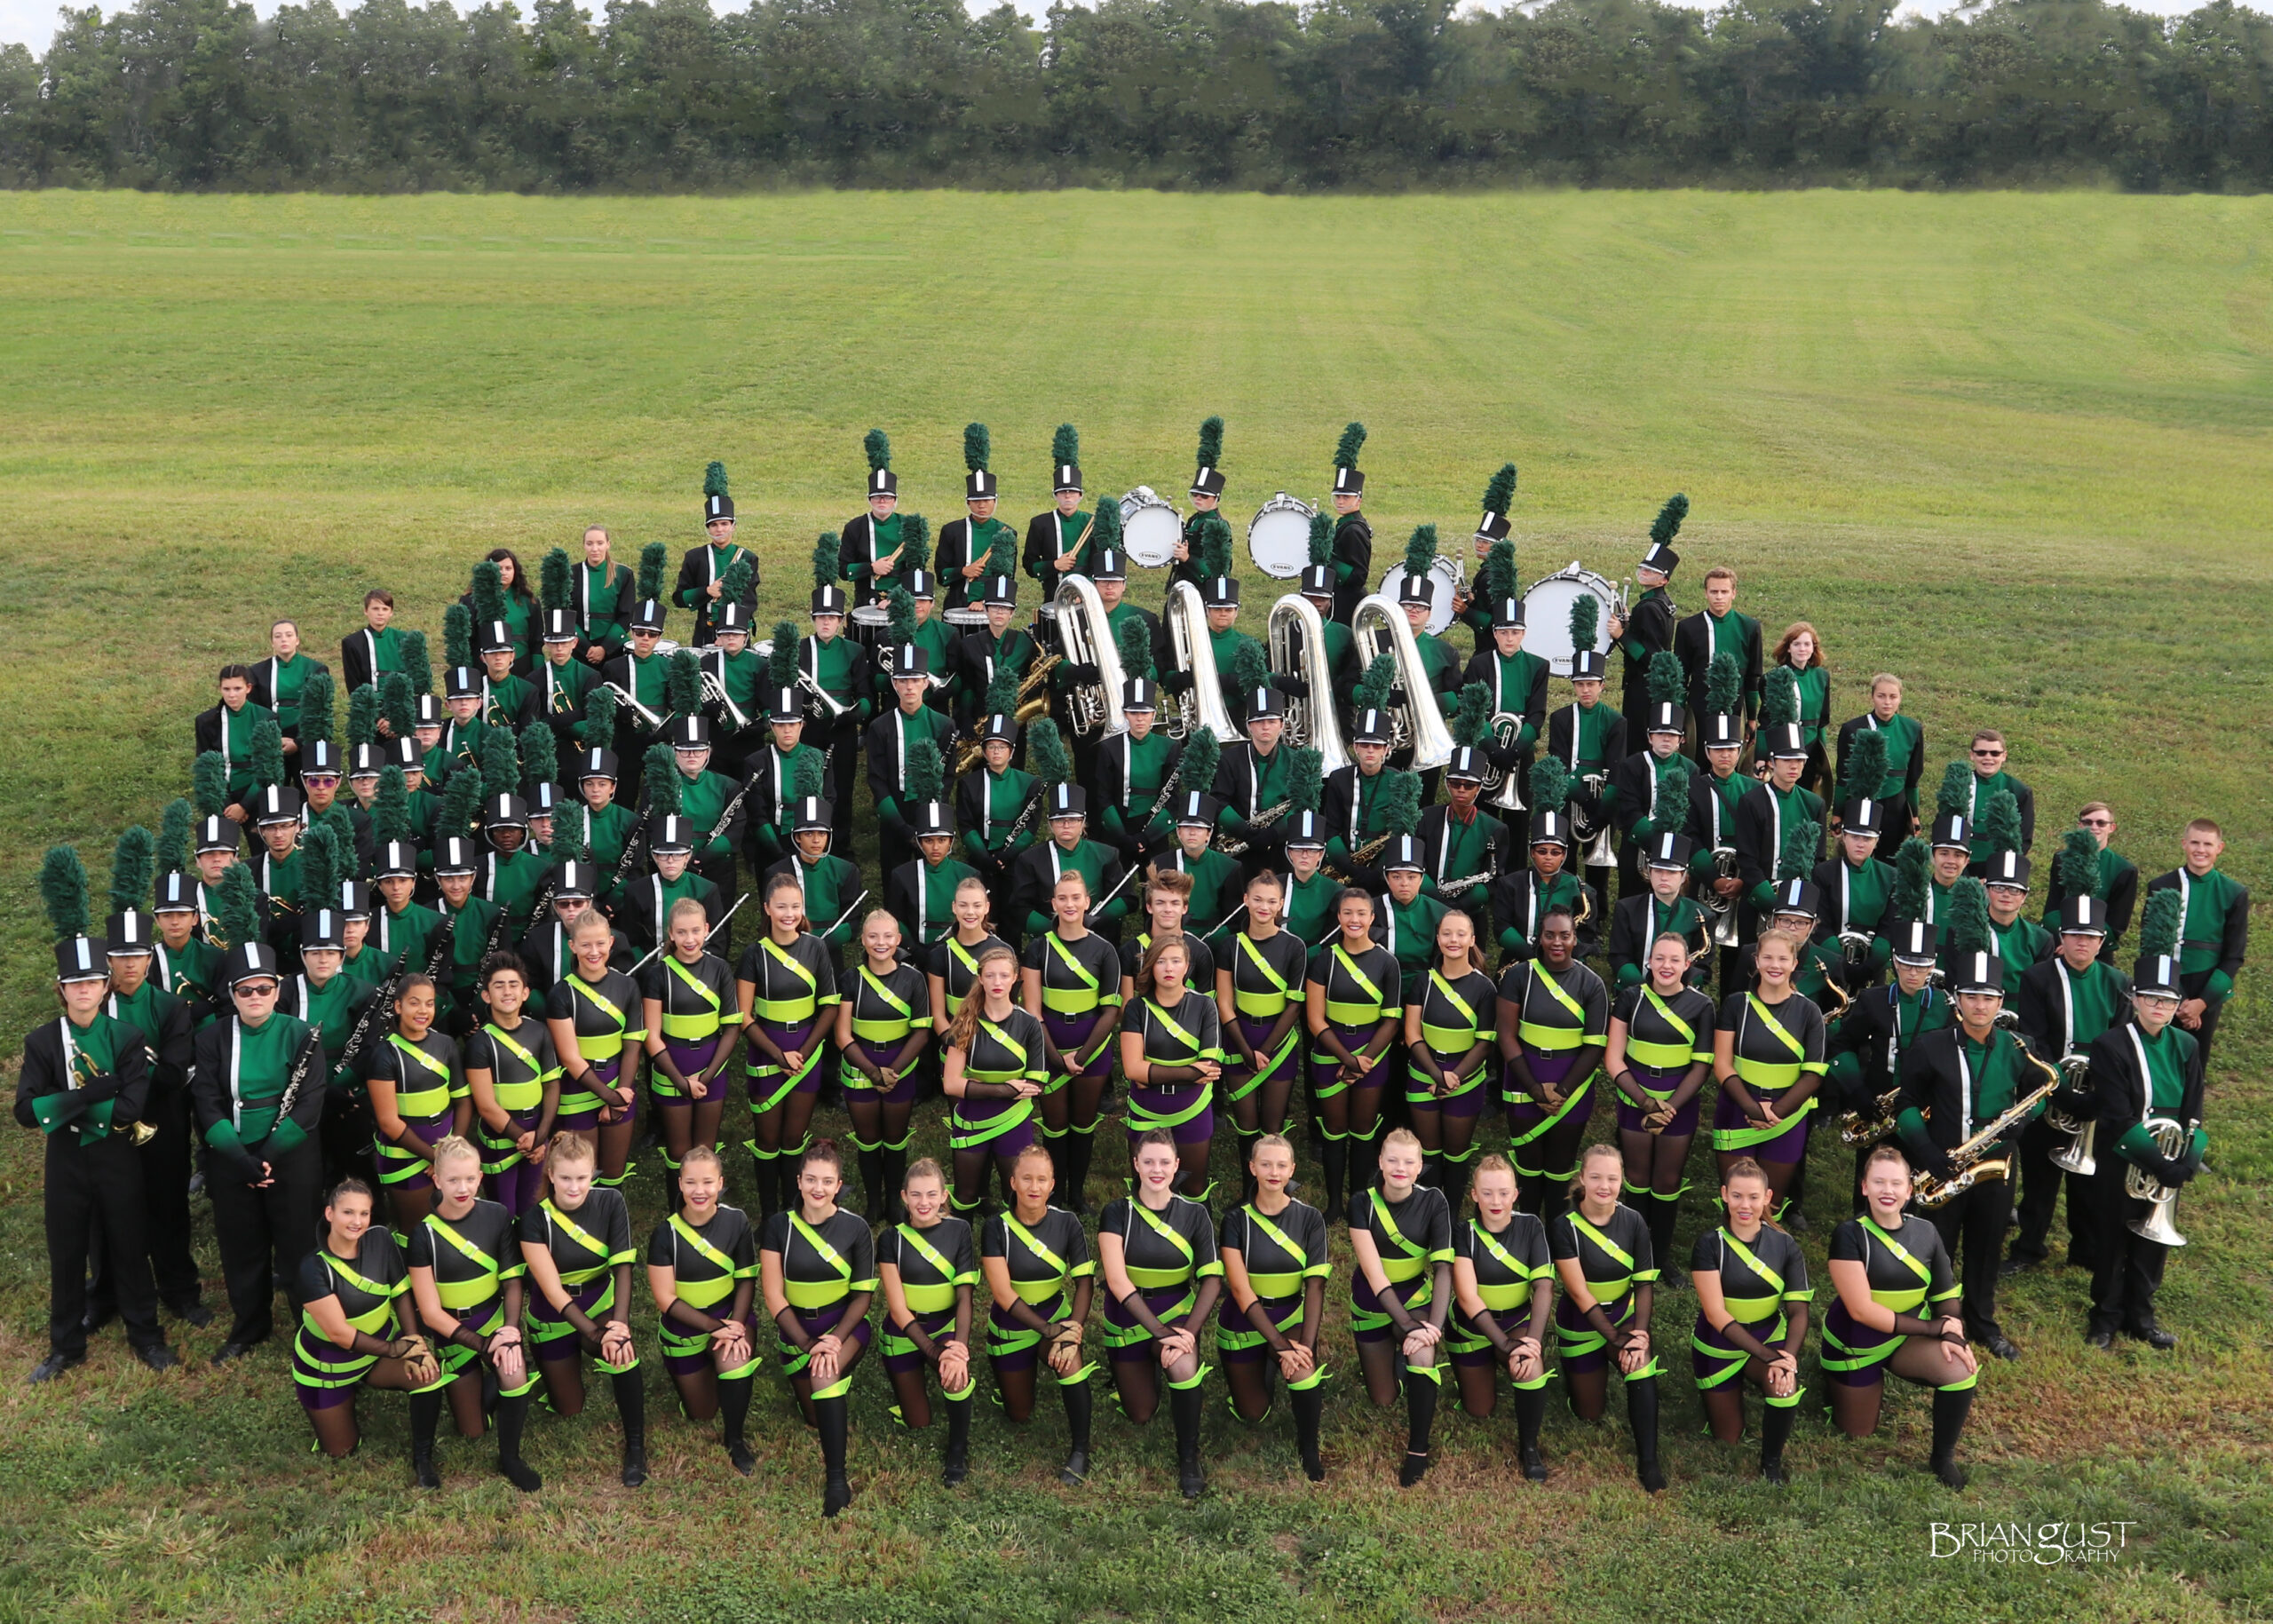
{"x":1379,"y":627}
{"x":2078,"y":1156}
{"x":2171,"y":1140}
{"x":1202,"y":705}
{"x":1085,"y":631}
{"x":1722,"y":910}
{"x":1501,"y":785}
{"x":1296,"y":638}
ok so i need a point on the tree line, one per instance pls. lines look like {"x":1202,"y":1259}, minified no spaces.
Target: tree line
{"x":1359,"y":95}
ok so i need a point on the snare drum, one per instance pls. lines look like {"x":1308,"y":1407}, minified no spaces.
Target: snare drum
{"x":1279,"y":536}
{"x":869,"y":622}
{"x":1150,"y":529}
{"x":1547,"y":614}
{"x":970,"y":618}
{"x":1445,"y":574}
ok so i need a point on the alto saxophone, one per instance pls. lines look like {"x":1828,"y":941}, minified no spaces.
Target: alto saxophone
{"x":1968,"y":1167}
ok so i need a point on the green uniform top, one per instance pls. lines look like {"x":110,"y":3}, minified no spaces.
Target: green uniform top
{"x":502,"y":700}
{"x":236,"y":748}
{"x":922,"y":896}
{"x":1408,"y":930}
{"x":1905,"y":738}
{"x":2169,"y":1053}
{"x":334,"y":1007}
{"x":367,"y":967}
{"x":696,"y":595}
{"x":1215,"y":880}
{"x":701,"y":799}
{"x":1516,"y":678}
{"x":1857,"y":895}
{"x":405,"y":937}
{"x":559,"y":690}
{"x":1362,"y":818}
{"x":189,"y":973}
{"x":1088,"y":858}
{"x":606,"y":832}
{"x":2022,"y":944}
{"x":1309,"y":913}
{"x":459,"y":746}
{"x":258,"y":1062}
{"x":2208,"y":903}
{"x":743,"y":677}
{"x":1815,"y":702}
{"x":1442,"y":662}
{"x":648,"y":677}
{"x":473,"y":922}
{"x":1461,"y":850}
{"x":150,"y":1012}
{"x":830,"y":885}
{"x":288,"y":679}
{"x":1132,"y":775}
{"x":1910,"y":1016}
{"x":1002,"y":797}
{"x":511,"y":880}
{"x":884,"y":539}
{"x":889,"y":737}
{"x":94,"y":1048}
{"x":1789,"y":807}
{"x":830,"y":665}
{"x":1589,"y":736}
{"x":1255,"y":782}
{"x":599,"y":584}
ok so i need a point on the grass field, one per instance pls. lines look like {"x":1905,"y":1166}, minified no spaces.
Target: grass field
{"x":2019,"y":449}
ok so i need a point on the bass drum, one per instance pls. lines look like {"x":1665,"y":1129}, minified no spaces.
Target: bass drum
{"x":1150,"y":529}
{"x":1279,"y":536}
{"x":1446,"y":576}
{"x":1547,"y":614}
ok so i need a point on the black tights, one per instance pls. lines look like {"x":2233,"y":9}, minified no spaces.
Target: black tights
{"x":880,"y":1138}
{"x":780,"y":1134}
{"x":970,"y":1177}
{"x":687,"y":1124}
{"x":336,"y":1429}
{"x":1556,"y":1153}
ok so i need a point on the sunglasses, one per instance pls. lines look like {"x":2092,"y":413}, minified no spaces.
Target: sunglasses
{"x":2097,"y":823}
{"x":256,"y":989}
{"x":1989,"y":755}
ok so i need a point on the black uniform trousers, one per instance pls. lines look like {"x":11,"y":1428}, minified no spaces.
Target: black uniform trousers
{"x":346,"y":1136}
{"x":1972,"y":1228}
{"x":2127,"y":1268}
{"x":80,"y":1181}
{"x":264,"y":1234}
{"x":843,"y":748}
{"x":2040,"y":1182}
{"x":2192,"y":986}
{"x":163,"y":1166}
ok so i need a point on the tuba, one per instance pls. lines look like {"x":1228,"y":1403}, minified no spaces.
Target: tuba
{"x":1379,"y":627}
{"x":1085,"y":631}
{"x":1297,"y":637}
{"x":1202,"y":705}
{"x":2171,"y":1138}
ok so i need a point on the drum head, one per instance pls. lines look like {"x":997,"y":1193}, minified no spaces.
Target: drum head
{"x":667,"y":646}
{"x":1279,"y":537}
{"x":1150,"y":529}
{"x":967,"y":618}
{"x":1546,"y":614}
{"x":1446,"y":576}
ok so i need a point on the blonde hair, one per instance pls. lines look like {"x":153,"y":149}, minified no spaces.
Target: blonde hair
{"x":687,"y":908}
{"x":1400,"y":1136}
{"x":702,"y":1153}
{"x":922,"y":1168}
{"x":1271,"y":1141}
{"x":449,"y":1147}
{"x":1596,"y":1152}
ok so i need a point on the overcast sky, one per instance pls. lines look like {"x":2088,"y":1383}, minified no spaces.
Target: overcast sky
{"x":33,"y":22}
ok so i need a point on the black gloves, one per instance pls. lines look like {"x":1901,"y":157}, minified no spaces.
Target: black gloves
{"x":1294,"y":685}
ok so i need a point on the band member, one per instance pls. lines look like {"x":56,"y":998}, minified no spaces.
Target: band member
{"x":457,"y":745}
{"x":830,"y":884}
{"x":2214,"y":931}
{"x":1770,"y":811}
{"x":1109,"y":574}
{"x":741,"y":679}
{"x":1313,"y":896}
{"x":375,"y":648}
{"x":1950,"y":835}
{"x":84,"y":1083}
{"x":1070,"y":983}
{"x":278,"y":680}
{"x":1353,"y":537}
{"x":1440,"y":663}
{"x":817,"y":1269}
{"x":1057,"y":542}
{"x":1553,"y":1017}
{"x":1459,"y":843}
{"x":185,"y":963}
{"x":1449,"y":1029}
{"x":505,"y":698}
{"x":883,"y":1025}
{"x":693,"y":1012}
{"x":704,"y":800}
{"x":418,"y":1098}
{"x":1659,"y":1053}
{"x":1401,"y":1238}
{"x":1801,"y":651}
{"x":1896,"y":1311}
{"x":1132,"y":774}
{"x":1769,"y":1059}
{"x":989,"y":806}
{"x":774,"y":775}
{"x":1502,"y":1292}
{"x":1273,"y":1249}
{"x":475,"y":925}
{"x":1990,"y":753}
{"x":952,"y":968}
{"x":561,"y":684}
{"x":1717,"y":628}
{"x":786,"y":988}
{"x":608,"y":822}
{"x":1354,"y":1007}
{"x":1035,"y":875}
{"x":2098,"y":871}
{"x":1638,"y":783}
{"x":870,"y":545}
{"x":644,"y":907}
{"x":1354,"y":804}
{"x":1855,"y":887}
{"x":702,"y":572}
{"x":702,"y":1272}
{"x":890,"y":737}
{"x":1207,"y":494}
{"x":1253,"y":777}
{"x":600,"y":596}
{"x":836,"y":667}
{"x":2064,"y":1003}
{"x":927,"y":1265}
{"x":1259,"y":1004}
{"x":1868,"y":1044}
{"x":920,"y":893}
{"x":1521,"y":901}
{"x":512,"y":871}
{"x":228,"y":731}
{"x":1039,"y":1275}
{"x":2145,"y":1072}
{"x":1603,"y":1257}
{"x":276,"y":865}
{"x":1168,"y":903}
{"x":1000,"y":650}
{"x":1751,"y":1317}
{"x":1171,"y":1051}
{"x":2022,"y":943}
{"x":1714,"y":798}
{"x":1317,"y":585}
{"x":577,"y":1247}
{"x":355,"y":1330}
{"x":544,"y":948}
{"x":1215,"y":877}
{"x":514,"y":1081}
{"x":1156,"y":1251}
{"x":596,"y":1015}
{"x":1954,"y":1082}
{"x":978,"y":546}
{"x":1406,"y":923}
{"x":1646,"y":628}
{"x":996,"y":1066}
{"x":1516,"y":680}
{"x":1906,"y":750}
{"x":1587,"y":736}
{"x":1638,"y":922}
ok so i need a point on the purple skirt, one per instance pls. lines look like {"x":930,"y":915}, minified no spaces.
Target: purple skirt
{"x":1239,"y":1079}
{"x":1071,"y":1033}
{"x":689,"y":1058}
{"x":1685,"y":1121}
{"x":554,"y":1333}
{"x":1555,"y":1068}
{"x":769,"y":1088}
{"x":515,"y":1186}
{"x":1140,"y":1346}
{"x":1325,"y":1071}
{"x":589,"y":1119}
{"x":429,"y":1133}
{"x":1229,"y":1318}
{"x":856,"y":1085}
{"x":934,"y":1325}
{"x":1195,"y":1129}
{"x":1789,"y":1146}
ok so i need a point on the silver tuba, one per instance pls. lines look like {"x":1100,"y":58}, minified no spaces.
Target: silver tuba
{"x":1297,"y":643}
{"x":1085,"y":630}
{"x":2077,"y":1123}
{"x":2171,"y":1140}
{"x":1379,"y":627}
{"x":1202,"y":704}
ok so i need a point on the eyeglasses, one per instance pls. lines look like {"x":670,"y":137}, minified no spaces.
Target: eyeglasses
{"x":2097,"y":823}
{"x":1988,"y":754}
{"x":256,"y":989}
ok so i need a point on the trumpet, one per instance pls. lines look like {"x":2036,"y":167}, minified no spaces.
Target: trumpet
{"x":714,"y":692}
{"x":652,"y":721}
{"x":1969,"y":1166}
{"x":2170,"y":1140}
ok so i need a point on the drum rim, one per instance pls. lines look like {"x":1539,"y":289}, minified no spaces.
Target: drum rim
{"x":872,"y":615}
{"x":1578,"y":576}
{"x":1133,"y":508}
{"x":1281,"y":504}
{"x":1443,"y":569}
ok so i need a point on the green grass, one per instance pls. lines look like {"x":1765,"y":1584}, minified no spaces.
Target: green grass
{"x":2018,"y":449}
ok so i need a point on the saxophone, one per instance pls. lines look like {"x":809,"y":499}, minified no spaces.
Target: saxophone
{"x":1969,"y":1166}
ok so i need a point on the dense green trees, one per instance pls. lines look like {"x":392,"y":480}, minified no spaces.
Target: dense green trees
{"x":1356,"y":94}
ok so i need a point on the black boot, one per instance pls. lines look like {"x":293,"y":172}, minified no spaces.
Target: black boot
{"x":1183,"y":1407}
{"x":1246,"y":1164}
{"x":425,"y":1414}
{"x":1421,"y":1395}
{"x":734,"y":1409}
{"x":1309,"y":1403}
{"x":872,"y":1180}
{"x":1951,"y":1407}
{"x":895,"y":1178}
{"x":513,"y":1415}
{"x":836,"y":1425}
{"x":1775,"y":1430}
{"x":1080,"y":1148}
{"x":1336,"y":1155}
{"x":1642,"y":1415}
{"x":1455,"y":1184}
{"x":1662,"y":1211}
{"x":1078,"y":1406}
{"x":1531,"y":1410}
{"x":958,"y":1457}
{"x":1432,"y":1171}
{"x":631,"y":1410}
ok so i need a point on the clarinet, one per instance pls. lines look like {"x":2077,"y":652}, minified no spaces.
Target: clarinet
{"x":1025,"y":815}
{"x":632,"y":844}
{"x":734,"y":805}
{"x":309,"y":1050}
{"x":383,"y":997}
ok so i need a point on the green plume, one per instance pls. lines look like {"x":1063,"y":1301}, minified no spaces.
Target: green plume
{"x":878,"y":447}
{"x":1999,"y":827}
{"x":1667,"y":523}
{"x":133,"y":869}
{"x":977,"y":447}
{"x":1674,"y":775}
{"x":1968,"y":922}
{"x":553,"y":578}
{"x":1305,"y":777}
{"x":1046,"y":753}
{"x":363,"y":715}
{"x":1105,"y":531}
{"x":1780,"y":701}
{"x":1214,"y":550}
{"x":1472,"y":722}
{"x":489,"y":592}
{"x":654,"y":558}
{"x":1421,"y":549}
{"x":2161,"y":923}
{"x":265,"y":759}
{"x":781,"y":660}
{"x":915,"y":542}
{"x":1250,"y":670}
{"x":1866,"y":768}
{"x":1801,"y":842}
{"x":540,"y":755}
{"x":806,"y":773}
{"x":1668,"y":683}
{"x":397,"y":704}
{"x":900,"y":612}
{"x":682,"y":683}
{"x":1346,"y":448}
{"x":1500,"y":490}
{"x":316,"y":698}
{"x":1135,"y":649}
{"x":1373,"y":690}
{"x":1495,"y":578}
{"x":319,"y":868}
{"x":1196,"y":767}
{"x":1586,"y":623}
{"x":598,"y":726}
{"x":390,"y":808}
{"x":1550,"y":784}
{"x":1956,"y":792}
{"x":1907,"y":897}
{"x":659,"y":774}
{"x":738,"y":579}
{"x":1321,"y":537}
{"x":209,"y":784}
{"x":173,"y":835}
{"x":342,"y":825}
{"x":1722,"y":686}
{"x":1211,"y":443}
{"x":824,"y":558}
{"x":2077,"y":868}
{"x":501,"y":763}
{"x":461,"y":804}
{"x":416,"y":664}
{"x":1400,"y":800}
{"x":714,"y":480}
{"x":457,"y":637}
{"x":63,"y":891}
{"x":572,"y":834}
{"x":1002,"y":556}
{"x":1002,"y":692}
{"x":1065,"y":445}
{"x":927,"y":771}
{"x":236,"y":905}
